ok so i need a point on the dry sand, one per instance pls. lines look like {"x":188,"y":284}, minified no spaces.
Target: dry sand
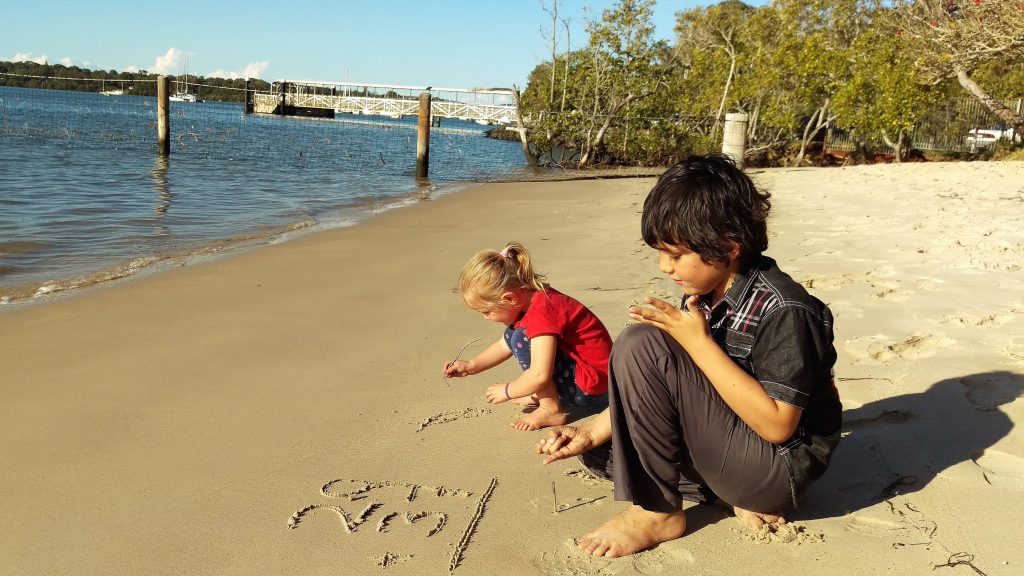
{"x":281,"y":411}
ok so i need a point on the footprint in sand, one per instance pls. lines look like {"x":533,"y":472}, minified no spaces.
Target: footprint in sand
{"x":574,"y":562}
{"x":915,"y":347}
{"x":817,"y":282}
{"x":1014,"y":354}
{"x":588,"y":477}
{"x":989,"y":391}
{"x":893,"y":295}
{"x":784,"y":534}
{"x":870,"y":524}
{"x":669,"y":557}
{"x":1000,"y":469}
{"x":990,"y":321}
{"x":843,"y":309}
{"x":897,"y":518}
{"x":813,"y":242}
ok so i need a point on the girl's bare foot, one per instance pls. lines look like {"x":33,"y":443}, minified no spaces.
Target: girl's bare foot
{"x":527,"y":400}
{"x":758,"y":519}
{"x":540,"y":418}
{"x":634,"y":530}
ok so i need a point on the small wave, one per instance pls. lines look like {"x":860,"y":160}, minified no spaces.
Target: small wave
{"x":40,"y":289}
{"x":22,"y":247}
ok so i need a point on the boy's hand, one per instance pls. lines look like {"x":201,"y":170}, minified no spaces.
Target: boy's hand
{"x":456,"y":369}
{"x":564,"y":442}
{"x":685,"y":326}
{"x":497,"y":393}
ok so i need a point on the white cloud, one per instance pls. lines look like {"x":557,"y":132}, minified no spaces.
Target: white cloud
{"x":132,"y":69}
{"x":25,"y":57}
{"x":67,"y":61}
{"x":170,"y":62}
{"x":251,"y":70}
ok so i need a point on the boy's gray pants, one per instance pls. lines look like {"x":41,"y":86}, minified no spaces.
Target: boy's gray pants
{"x":675,"y":439}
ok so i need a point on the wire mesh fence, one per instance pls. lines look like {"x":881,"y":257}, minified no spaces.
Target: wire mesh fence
{"x":946,"y":128}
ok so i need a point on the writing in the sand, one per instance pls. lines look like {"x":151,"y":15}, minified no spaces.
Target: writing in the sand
{"x":363,"y":496}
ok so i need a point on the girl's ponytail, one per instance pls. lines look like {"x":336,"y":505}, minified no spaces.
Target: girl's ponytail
{"x":490,"y":274}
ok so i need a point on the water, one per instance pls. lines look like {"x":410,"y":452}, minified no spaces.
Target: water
{"x":84,"y":196}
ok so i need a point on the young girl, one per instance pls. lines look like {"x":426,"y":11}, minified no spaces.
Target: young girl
{"x":561,"y":346}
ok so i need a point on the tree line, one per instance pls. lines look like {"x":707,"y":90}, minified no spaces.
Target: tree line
{"x":142,"y":83}
{"x":874,"y":69}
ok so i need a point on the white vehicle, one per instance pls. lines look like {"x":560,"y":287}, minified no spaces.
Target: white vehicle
{"x":979,"y":138}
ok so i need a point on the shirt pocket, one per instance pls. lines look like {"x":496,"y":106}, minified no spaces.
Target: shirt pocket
{"x":738,"y":345}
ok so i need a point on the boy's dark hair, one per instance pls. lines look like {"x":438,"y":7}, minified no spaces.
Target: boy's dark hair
{"x":703,"y":201}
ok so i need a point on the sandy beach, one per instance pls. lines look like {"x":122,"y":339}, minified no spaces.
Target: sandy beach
{"x":281,"y":411}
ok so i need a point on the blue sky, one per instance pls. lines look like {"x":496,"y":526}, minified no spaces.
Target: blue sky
{"x":443,"y":43}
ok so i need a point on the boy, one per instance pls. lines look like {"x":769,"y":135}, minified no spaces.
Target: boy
{"x":729,"y":397}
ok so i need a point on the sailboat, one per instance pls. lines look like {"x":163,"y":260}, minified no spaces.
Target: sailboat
{"x":181,"y":93}
{"x":115,"y":92}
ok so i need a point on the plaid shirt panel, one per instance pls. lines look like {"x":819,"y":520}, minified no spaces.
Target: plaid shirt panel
{"x":777,"y":332}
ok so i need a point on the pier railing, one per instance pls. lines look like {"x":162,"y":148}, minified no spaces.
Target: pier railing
{"x":389,"y":107}
{"x":330,"y":99}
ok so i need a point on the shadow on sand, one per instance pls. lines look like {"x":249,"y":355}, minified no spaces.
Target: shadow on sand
{"x":898,"y":445}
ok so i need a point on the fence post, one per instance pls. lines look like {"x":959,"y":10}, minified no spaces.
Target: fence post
{"x":423,"y":137}
{"x":163,"y":120}
{"x":734,"y":138}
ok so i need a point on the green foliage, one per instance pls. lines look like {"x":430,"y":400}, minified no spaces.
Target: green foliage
{"x":883,"y":95}
{"x":794,"y":66}
{"x":60,"y":77}
{"x":597,"y":88}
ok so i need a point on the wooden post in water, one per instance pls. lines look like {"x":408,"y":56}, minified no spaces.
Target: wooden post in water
{"x":282,"y":90}
{"x":734,"y":139}
{"x":423,"y":137}
{"x":163,"y":119}
{"x":247,"y":97}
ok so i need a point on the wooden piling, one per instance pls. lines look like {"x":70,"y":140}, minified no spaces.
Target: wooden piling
{"x":423,"y":137}
{"x":247,"y":100}
{"x":163,"y":119}
{"x":282,"y":91}
{"x":734,"y":139}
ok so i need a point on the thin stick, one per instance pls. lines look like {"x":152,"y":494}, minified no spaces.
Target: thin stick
{"x":554,"y":498}
{"x":570,"y":507}
{"x":457,"y":356}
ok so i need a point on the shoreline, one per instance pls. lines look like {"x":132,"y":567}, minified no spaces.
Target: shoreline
{"x":15,"y":295}
{"x":33,"y":292}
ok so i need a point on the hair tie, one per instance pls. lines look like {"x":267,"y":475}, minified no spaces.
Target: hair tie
{"x":504,"y":252}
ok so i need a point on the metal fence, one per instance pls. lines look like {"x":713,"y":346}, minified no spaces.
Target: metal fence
{"x":944,"y":129}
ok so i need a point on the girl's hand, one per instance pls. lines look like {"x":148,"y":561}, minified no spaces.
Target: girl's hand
{"x":686,"y":326}
{"x":563,"y":442}
{"x":456,"y":369}
{"x":496,"y":394}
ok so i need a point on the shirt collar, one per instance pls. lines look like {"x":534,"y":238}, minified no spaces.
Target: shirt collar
{"x":742,"y":283}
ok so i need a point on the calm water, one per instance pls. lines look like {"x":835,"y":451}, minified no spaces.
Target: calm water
{"x":85,"y":198}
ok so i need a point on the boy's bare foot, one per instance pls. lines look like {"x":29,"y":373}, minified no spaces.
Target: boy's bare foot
{"x":634,"y":530}
{"x":540,"y":418}
{"x":758,"y":519}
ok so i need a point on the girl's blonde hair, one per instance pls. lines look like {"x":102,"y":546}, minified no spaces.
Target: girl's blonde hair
{"x":490,"y":274}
